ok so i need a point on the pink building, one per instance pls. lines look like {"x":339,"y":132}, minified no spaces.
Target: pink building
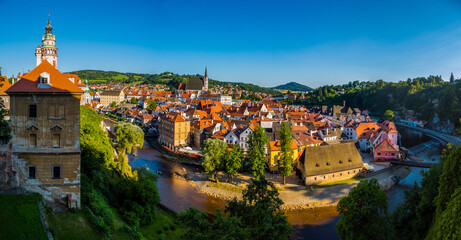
{"x":385,"y":151}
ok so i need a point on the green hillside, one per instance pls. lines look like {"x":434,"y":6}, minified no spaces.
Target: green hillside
{"x":293,"y":86}
{"x":170,"y":79}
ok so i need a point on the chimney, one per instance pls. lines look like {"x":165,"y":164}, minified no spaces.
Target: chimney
{"x":344,"y":103}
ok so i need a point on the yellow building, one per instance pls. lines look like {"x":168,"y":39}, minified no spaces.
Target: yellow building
{"x":108,"y":97}
{"x":275,"y":153}
{"x":174,"y":131}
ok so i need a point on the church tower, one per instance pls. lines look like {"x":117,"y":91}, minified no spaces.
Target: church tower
{"x":48,"y":51}
{"x":205,"y":81}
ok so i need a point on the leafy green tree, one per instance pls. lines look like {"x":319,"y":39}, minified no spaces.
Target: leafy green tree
{"x":260,"y":211}
{"x":447,"y":225}
{"x":214,"y":152}
{"x":452,"y":78}
{"x":114,"y":105}
{"x":151,"y":105}
{"x":450,"y":179}
{"x":404,"y":218}
{"x":389,"y":115}
{"x":139,"y":197}
{"x":256,"y":216}
{"x":257,"y":148}
{"x":286,"y":158}
{"x":134,"y":100}
{"x":364,"y":213}
{"x":233,"y":161}
{"x":128,"y":136}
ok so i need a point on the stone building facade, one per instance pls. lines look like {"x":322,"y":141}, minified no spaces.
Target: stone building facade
{"x":174,"y":131}
{"x":45,"y":118}
{"x":108,"y":97}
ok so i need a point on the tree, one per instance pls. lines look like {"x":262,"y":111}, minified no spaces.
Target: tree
{"x":139,"y":197}
{"x":151,"y":105}
{"x":389,"y":115}
{"x":257,"y":147}
{"x":260,"y":212}
{"x":128,"y":136}
{"x":114,"y":105}
{"x":452,"y":78}
{"x":286,"y":157}
{"x":447,"y":225}
{"x":214,"y":152}
{"x":134,"y":100}
{"x":289,"y":92}
{"x":404,"y":218}
{"x":364,"y":213}
{"x":450,"y":179}
{"x":233,"y":161}
{"x":256,"y":216}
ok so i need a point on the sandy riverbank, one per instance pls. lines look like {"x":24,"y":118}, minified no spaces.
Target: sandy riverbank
{"x":294,"y":195}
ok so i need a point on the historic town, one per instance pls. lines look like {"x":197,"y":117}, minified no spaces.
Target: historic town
{"x":96,"y":154}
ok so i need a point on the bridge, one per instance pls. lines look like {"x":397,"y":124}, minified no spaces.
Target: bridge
{"x":414,"y":164}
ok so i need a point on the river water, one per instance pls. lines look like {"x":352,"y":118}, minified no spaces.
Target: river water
{"x":178,"y":195}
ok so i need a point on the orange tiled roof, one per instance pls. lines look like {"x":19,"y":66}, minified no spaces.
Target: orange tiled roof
{"x":385,"y":146}
{"x":5,"y":85}
{"x":275,"y":145}
{"x":29,"y":82}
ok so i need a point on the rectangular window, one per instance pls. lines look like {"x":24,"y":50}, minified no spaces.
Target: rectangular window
{"x":33,"y":140}
{"x":32,"y":111}
{"x":32,"y":172}
{"x":56,"y":141}
{"x":44,"y":80}
{"x":56,"y":174}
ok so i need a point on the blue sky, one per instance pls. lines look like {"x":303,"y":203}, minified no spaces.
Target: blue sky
{"x":262,"y":42}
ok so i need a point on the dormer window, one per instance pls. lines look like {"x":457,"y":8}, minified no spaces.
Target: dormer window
{"x":45,"y":81}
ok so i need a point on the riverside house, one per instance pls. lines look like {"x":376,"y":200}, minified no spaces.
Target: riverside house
{"x":330,"y":163}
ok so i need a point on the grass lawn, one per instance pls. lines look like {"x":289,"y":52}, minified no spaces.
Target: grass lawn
{"x":20,"y":217}
{"x":351,"y":180}
{"x":67,"y":225}
{"x":164,"y":224}
{"x":227,"y":187}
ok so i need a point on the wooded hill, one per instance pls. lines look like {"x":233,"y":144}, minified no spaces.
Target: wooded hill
{"x":425,"y":96}
{"x":293,"y":86}
{"x":170,"y":79}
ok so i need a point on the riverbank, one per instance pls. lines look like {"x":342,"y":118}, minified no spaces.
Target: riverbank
{"x":294,"y":195}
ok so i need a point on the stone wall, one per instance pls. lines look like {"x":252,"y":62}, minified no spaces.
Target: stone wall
{"x":331,"y":177}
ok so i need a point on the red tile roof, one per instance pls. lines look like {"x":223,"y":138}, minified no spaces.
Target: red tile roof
{"x":29,"y":82}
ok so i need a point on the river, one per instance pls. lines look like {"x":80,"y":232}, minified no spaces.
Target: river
{"x":177,"y":194}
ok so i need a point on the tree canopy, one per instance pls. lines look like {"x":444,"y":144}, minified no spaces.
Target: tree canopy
{"x":128,"y":136}
{"x":233,"y":161}
{"x":364,"y":213}
{"x":286,"y":158}
{"x":389,"y":115}
{"x":214,"y":152}
{"x":256,"y":216}
{"x":257,"y":149}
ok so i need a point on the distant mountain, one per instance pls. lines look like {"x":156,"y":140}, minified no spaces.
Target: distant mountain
{"x":293,"y":86}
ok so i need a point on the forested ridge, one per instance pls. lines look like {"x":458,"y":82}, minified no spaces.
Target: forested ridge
{"x":170,"y":79}
{"x":426,"y":96}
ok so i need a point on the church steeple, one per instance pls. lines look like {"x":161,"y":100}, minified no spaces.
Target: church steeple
{"x":205,"y":81}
